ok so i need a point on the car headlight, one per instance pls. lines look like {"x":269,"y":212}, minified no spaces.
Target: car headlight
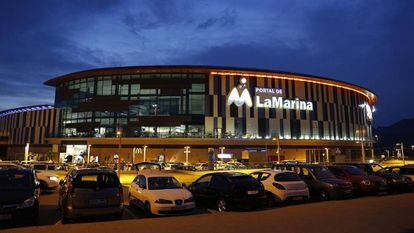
{"x":191,"y":199}
{"x":54,"y":178}
{"x":366,"y":182}
{"x":28,"y":203}
{"x":163,"y":201}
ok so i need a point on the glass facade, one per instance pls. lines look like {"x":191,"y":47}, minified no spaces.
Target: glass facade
{"x":141,"y":105}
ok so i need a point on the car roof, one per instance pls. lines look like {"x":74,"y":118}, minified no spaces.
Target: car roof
{"x":83,"y":171}
{"x":229,"y":174}
{"x":275,"y":171}
{"x":16,"y":170}
{"x":299,"y":165}
{"x":153,"y":173}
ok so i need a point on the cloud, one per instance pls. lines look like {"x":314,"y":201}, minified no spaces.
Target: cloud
{"x":227,"y":19}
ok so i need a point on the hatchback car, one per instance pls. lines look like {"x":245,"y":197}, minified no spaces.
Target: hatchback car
{"x":282,"y":185}
{"x":228,"y":190}
{"x":90,"y":192}
{"x":321,"y":182}
{"x":394,"y":181}
{"x":363,"y":182}
{"x":19,"y":194}
{"x":159,"y":194}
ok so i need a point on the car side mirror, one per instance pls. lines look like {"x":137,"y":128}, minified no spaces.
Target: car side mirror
{"x":37,"y":185}
{"x":61,"y":182}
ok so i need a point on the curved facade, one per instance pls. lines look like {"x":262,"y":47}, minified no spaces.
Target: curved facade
{"x":212,"y":110}
{"x":187,"y":101}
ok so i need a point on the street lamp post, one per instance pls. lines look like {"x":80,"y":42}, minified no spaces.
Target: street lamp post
{"x":119,"y":135}
{"x":26,"y":152}
{"x":327,"y":154}
{"x":145,"y":153}
{"x":278,"y":147}
{"x":222,"y":148}
{"x":402,"y":151}
{"x":89,"y":154}
{"x":186,"y":152}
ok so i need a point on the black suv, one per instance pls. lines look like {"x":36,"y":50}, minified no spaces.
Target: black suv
{"x":19,"y":194}
{"x":228,"y":190}
{"x":321,"y":182}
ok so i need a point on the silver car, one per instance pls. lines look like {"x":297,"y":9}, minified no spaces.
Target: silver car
{"x":90,"y":192}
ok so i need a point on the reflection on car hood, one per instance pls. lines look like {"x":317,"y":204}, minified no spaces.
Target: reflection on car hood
{"x":14,"y":196}
{"x":171,"y":194}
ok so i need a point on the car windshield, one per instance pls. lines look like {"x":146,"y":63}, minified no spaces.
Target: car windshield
{"x":157,"y":183}
{"x":322,"y":173}
{"x":15,"y":180}
{"x":376,"y":167}
{"x":354,"y":171}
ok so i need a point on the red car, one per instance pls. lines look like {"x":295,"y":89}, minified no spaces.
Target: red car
{"x":363,"y":183}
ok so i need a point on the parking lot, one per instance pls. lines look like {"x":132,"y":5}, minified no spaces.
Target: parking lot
{"x":351,"y":215}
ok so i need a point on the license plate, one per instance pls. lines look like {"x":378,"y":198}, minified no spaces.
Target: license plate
{"x":97,"y":202}
{"x":5,"y":216}
{"x":252,"y":192}
{"x":297,"y":198}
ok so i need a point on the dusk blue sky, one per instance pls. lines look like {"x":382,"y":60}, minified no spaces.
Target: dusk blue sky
{"x":369,"y":43}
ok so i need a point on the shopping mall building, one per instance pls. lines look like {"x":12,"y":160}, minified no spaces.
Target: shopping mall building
{"x":245,"y":114}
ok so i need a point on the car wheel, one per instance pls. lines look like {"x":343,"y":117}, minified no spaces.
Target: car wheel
{"x":270,"y":199}
{"x":147,"y":210}
{"x":65,"y":219}
{"x":221,"y":205}
{"x":323,"y":195}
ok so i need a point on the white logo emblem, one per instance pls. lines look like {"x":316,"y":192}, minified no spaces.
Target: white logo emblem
{"x":240,"y":95}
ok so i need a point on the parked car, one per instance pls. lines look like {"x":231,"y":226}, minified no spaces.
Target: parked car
{"x":47,"y":180}
{"x":363,"y":182}
{"x":394,"y":181}
{"x":321,"y":182}
{"x":147,"y":166}
{"x":19,"y":194}
{"x":407,"y":170}
{"x":159,"y":194}
{"x":282,"y":185}
{"x":89,"y":192}
{"x":201,"y":166}
{"x":228,"y":190}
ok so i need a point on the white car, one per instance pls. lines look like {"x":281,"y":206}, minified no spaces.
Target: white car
{"x":282,"y":185}
{"x":47,"y":180}
{"x":159,"y":194}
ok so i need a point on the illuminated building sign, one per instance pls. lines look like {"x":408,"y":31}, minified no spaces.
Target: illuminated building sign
{"x":265,"y":98}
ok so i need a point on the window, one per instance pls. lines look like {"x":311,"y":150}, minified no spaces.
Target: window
{"x":205,"y":180}
{"x":255,"y":175}
{"x":287,"y":176}
{"x":264,"y":176}
{"x":218,"y":182}
{"x":135,"y":88}
{"x":142,"y":182}
{"x":196,"y":104}
{"x":197,"y":87}
{"x":123,"y":89}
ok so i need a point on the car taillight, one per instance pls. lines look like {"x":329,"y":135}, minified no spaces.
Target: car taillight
{"x":279,"y":186}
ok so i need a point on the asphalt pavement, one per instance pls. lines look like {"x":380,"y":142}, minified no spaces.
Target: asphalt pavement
{"x":387,"y":213}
